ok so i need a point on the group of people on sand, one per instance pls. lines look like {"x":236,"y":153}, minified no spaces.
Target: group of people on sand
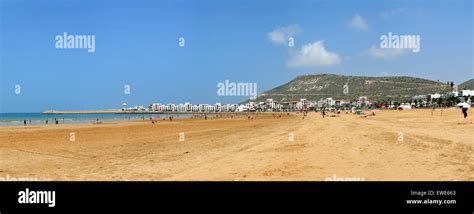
{"x":97,"y":121}
{"x":336,"y":113}
{"x":56,"y":121}
{"x":210,"y":116}
{"x":463,"y":106}
{"x":324,"y":113}
{"x":305,"y":113}
{"x":218,"y":116}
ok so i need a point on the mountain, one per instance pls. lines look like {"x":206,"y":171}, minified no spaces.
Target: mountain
{"x":318,"y":86}
{"x":467,"y":85}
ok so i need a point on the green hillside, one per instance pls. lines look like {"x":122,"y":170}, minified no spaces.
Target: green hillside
{"x":467,"y":85}
{"x":317,"y":86}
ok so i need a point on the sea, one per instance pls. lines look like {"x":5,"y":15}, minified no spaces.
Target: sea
{"x":17,"y":119}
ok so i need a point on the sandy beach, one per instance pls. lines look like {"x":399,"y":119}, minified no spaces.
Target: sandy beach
{"x":394,"y":145}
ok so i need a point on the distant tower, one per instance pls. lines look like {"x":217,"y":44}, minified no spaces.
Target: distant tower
{"x":124,"y":106}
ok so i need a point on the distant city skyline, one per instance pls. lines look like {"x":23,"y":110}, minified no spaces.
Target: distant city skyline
{"x":179,"y":51}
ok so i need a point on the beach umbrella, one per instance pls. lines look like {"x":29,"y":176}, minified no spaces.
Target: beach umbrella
{"x":464,"y":105}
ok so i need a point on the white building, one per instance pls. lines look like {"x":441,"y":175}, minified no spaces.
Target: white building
{"x":136,"y":108}
{"x":435,"y":96}
{"x":270,"y":105}
{"x":329,"y":102}
{"x":154,"y":107}
{"x":210,"y":108}
{"x":420,"y":97}
{"x":180,"y":108}
{"x":465,"y":93}
{"x":301,"y":105}
{"x":170,"y":107}
{"x":362,"y":101}
{"x":202,"y":107}
{"x":188,"y":106}
{"x":217,"y":107}
{"x":250,"y":106}
{"x":231,"y":107}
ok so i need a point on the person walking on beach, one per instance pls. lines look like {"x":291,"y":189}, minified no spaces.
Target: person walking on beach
{"x":464,"y":110}
{"x":24,"y":122}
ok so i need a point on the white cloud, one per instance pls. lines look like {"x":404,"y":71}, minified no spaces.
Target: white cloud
{"x":281,"y":34}
{"x":386,"y":53}
{"x":314,"y":55}
{"x":358,"y":22}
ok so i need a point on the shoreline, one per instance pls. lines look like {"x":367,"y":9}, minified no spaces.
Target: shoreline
{"x":137,"y":118}
{"x":141,"y":112}
{"x":112,"y":111}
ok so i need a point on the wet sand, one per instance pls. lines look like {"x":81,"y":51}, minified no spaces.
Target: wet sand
{"x":391,"y":146}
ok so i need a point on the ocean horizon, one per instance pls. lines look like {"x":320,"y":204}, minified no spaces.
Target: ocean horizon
{"x":16,"y":119}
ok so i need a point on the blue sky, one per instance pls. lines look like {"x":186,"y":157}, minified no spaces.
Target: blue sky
{"x":137,"y":44}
